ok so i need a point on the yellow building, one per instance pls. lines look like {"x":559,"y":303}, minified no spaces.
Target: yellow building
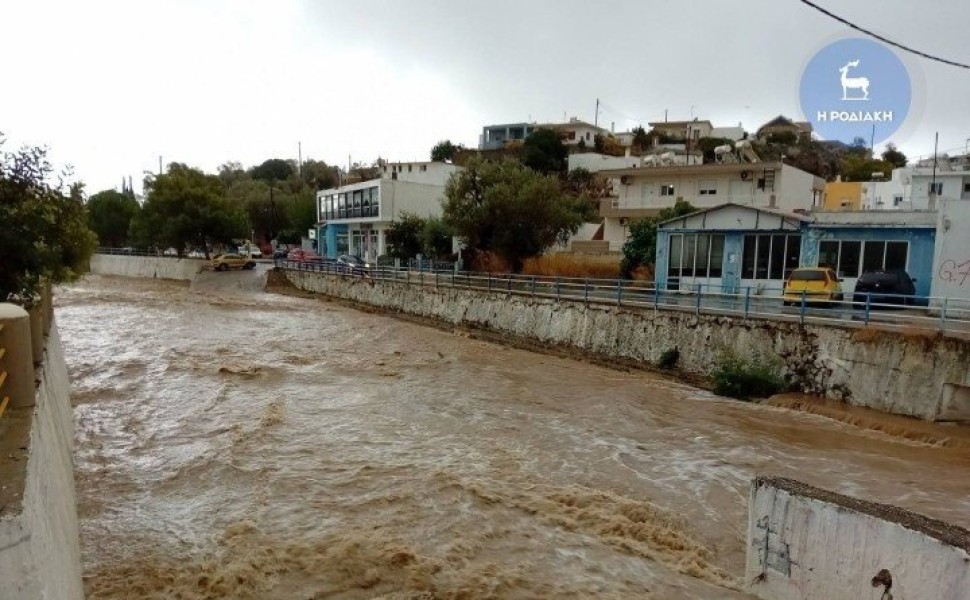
{"x":843,"y":195}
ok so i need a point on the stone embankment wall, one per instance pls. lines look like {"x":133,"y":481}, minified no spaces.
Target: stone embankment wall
{"x":40,"y":556}
{"x":809,"y":544}
{"x":184,"y":269}
{"x":925,"y":377}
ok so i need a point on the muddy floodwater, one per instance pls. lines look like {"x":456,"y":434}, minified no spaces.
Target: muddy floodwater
{"x":233,"y":443}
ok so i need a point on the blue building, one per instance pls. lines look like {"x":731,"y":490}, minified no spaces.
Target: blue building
{"x":732,"y":247}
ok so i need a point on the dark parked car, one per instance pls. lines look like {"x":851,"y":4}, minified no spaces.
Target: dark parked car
{"x":885,"y":287}
{"x":353,"y":264}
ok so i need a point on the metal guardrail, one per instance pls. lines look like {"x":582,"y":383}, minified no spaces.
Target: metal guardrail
{"x":891,"y":311}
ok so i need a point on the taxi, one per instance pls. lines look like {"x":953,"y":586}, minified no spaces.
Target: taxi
{"x":815,"y":284}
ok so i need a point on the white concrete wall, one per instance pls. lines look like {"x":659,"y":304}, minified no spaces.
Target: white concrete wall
{"x":183,"y":269}
{"x":886,"y":372}
{"x":951,"y":259}
{"x":793,"y":189}
{"x":594,"y":162}
{"x":431,"y":173}
{"x":808,"y":544}
{"x":40,"y":556}
{"x":420,"y":199}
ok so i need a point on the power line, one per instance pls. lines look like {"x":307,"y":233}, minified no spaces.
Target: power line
{"x":883,"y":39}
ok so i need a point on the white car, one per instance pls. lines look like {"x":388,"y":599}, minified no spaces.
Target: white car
{"x":251,"y":251}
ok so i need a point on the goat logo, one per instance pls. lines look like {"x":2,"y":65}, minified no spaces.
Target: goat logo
{"x":875,"y":98}
{"x":853,"y":83}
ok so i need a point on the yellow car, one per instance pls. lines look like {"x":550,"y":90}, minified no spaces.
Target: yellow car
{"x":815,"y":284}
{"x":224,"y":262}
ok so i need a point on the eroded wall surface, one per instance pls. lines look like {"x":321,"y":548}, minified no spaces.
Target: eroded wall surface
{"x":809,"y":544}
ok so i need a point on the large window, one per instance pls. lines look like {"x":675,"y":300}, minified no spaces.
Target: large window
{"x":698,"y":255}
{"x":851,"y":258}
{"x":770,"y":255}
{"x":348,"y":205}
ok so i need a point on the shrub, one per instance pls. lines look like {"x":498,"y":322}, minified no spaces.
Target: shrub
{"x":741,"y":378}
{"x":669,"y":358}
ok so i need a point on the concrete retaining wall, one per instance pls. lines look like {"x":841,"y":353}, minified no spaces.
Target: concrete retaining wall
{"x":809,"y":544}
{"x":40,"y":556}
{"x":183,"y":269}
{"x":906,"y":375}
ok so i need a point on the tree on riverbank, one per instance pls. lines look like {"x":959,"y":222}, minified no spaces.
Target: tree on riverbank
{"x":509,"y":209}
{"x":43,"y":227}
{"x":109,"y":215}
{"x":186,"y":207}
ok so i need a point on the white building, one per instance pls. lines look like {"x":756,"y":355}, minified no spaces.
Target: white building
{"x":574,"y":132}
{"x":595,"y":162}
{"x":920,"y":187}
{"x":352,"y":219}
{"x":645,"y":191}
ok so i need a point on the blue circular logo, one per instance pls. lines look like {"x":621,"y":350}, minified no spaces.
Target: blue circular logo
{"x":856,"y":88}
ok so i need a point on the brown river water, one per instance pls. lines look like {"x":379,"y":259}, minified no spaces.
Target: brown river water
{"x":233,"y":443}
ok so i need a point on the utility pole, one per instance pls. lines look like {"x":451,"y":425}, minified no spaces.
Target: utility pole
{"x":299,"y":154}
{"x":159,"y":164}
{"x":872,"y":141}
{"x":936,"y":147}
{"x":596,"y":119}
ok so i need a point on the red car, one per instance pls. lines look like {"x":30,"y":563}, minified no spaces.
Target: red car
{"x":301,"y":255}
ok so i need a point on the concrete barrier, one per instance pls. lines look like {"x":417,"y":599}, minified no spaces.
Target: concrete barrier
{"x":40,"y":556}
{"x":183,"y":269}
{"x":810,"y":544}
{"x":17,"y":362}
{"x":884,"y":371}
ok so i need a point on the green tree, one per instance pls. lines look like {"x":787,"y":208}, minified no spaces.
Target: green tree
{"x":588,"y":188}
{"x":109,"y":215}
{"x":274,"y":169}
{"x":318,"y":175}
{"x":861,"y":168}
{"x":544,"y":152}
{"x":301,"y":210}
{"x":893,"y":156}
{"x":187,"y":207}
{"x":509,"y":209}
{"x":640,"y":247}
{"x":436,"y":239}
{"x":404,"y":236}
{"x":640,"y":138}
{"x":444,"y":151}
{"x":43,"y":231}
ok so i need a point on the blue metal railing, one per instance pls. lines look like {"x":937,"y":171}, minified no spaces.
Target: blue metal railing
{"x":949,"y":315}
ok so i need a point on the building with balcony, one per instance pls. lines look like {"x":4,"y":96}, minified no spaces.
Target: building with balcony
{"x":573,"y":133}
{"x":645,"y":191}
{"x":352,"y":219}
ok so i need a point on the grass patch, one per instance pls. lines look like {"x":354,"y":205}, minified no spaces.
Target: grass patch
{"x":747,"y":378}
{"x":574,"y":265}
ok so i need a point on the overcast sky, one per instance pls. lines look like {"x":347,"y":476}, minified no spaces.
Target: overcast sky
{"x":111,"y":86}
